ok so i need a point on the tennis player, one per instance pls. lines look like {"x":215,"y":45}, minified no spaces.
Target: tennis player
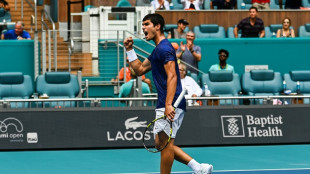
{"x":166,"y":78}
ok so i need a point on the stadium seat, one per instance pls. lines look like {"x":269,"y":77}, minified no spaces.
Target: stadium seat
{"x":273,"y":28}
{"x":304,"y":30}
{"x":262,"y":83}
{"x":5,"y":15}
{"x":177,"y":5}
{"x":274,"y":4}
{"x":223,"y":83}
{"x":230,"y":32}
{"x":15,"y":85}
{"x":305,"y":3}
{"x":206,"y":4}
{"x":123,"y":3}
{"x":303,"y":77}
{"x":58,"y":85}
{"x":248,"y":3}
{"x":143,"y":2}
{"x":170,"y":27}
{"x":209,"y":31}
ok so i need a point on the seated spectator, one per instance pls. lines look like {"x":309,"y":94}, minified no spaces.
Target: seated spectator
{"x":261,"y":4}
{"x":4,"y":4}
{"x":251,"y":26}
{"x":179,"y":32}
{"x":192,"y":4}
{"x":17,"y":34}
{"x":223,"y":56}
{"x":223,"y":4}
{"x":291,"y":4}
{"x":190,"y":53}
{"x":188,"y":83}
{"x":126,"y":88}
{"x":128,"y":76}
{"x":285,"y":31}
{"x":160,"y":4}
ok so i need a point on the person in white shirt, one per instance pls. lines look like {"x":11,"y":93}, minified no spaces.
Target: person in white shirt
{"x":160,"y":4}
{"x":188,"y":83}
{"x":192,"y":4}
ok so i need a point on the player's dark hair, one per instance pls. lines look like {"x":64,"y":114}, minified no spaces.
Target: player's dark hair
{"x":156,"y":19}
{"x":224,"y":51}
{"x":255,"y":8}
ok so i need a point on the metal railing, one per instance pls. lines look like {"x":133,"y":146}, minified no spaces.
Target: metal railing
{"x":210,"y":101}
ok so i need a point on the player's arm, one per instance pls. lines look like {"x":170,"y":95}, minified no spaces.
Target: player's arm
{"x":236,"y":29}
{"x":139,"y":67}
{"x":171,"y":88}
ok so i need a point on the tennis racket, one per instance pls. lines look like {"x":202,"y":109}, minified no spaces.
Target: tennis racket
{"x":163,"y":138}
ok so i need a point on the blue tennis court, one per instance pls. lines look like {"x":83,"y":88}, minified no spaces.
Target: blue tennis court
{"x":276,"y":159}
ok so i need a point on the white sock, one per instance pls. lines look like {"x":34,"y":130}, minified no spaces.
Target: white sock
{"x":194,"y":165}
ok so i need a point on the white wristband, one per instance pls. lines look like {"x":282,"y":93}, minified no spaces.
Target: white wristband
{"x":132,"y":56}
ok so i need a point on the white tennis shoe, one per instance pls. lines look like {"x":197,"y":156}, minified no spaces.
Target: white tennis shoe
{"x":205,"y":169}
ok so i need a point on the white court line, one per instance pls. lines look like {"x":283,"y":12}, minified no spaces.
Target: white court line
{"x":216,"y":171}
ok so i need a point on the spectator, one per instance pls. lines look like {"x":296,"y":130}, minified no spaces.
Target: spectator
{"x":223,"y":4}
{"x":17,"y":34}
{"x":251,"y":26}
{"x":160,"y":4}
{"x":126,"y":88}
{"x":128,"y":76}
{"x":291,"y":4}
{"x":188,"y":83}
{"x":261,"y":4}
{"x":179,"y":32}
{"x":223,"y":56}
{"x":189,"y":52}
{"x":192,"y":4}
{"x":285,"y":31}
{"x":4,"y":4}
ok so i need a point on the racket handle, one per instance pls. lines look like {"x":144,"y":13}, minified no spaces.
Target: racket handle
{"x":179,"y":99}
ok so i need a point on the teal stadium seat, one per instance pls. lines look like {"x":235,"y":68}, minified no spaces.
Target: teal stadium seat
{"x":248,"y":4}
{"x":123,"y":3}
{"x":230,"y":32}
{"x":170,"y":27}
{"x":209,"y":31}
{"x":303,"y":77}
{"x":273,"y":28}
{"x":304,"y":30}
{"x":223,"y":84}
{"x":206,"y":4}
{"x":58,"y":85}
{"x":16,"y":85}
{"x":305,"y":3}
{"x":262,"y":83}
{"x":143,"y":2}
{"x":274,"y":4}
{"x":5,"y":15}
{"x":177,"y":5}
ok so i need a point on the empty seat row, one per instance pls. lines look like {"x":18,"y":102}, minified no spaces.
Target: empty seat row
{"x":256,"y":83}
{"x":54,"y":85}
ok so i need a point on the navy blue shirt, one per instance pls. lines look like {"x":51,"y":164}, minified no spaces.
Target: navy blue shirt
{"x":222,"y":4}
{"x":248,"y":30}
{"x":293,"y":4}
{"x":10,"y":35}
{"x":162,"y":54}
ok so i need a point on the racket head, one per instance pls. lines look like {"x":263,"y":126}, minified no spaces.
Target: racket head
{"x":163,"y":138}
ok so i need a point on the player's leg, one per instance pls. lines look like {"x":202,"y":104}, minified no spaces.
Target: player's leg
{"x":167,"y":158}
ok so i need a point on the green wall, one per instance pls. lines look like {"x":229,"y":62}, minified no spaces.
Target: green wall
{"x":17,"y":56}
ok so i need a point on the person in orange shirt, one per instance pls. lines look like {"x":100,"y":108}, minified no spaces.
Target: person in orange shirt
{"x":128,"y":76}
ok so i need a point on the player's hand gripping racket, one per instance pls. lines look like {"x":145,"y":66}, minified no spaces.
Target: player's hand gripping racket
{"x":148,"y":142}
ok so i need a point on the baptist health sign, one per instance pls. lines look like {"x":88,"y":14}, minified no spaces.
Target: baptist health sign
{"x":251,"y":126}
